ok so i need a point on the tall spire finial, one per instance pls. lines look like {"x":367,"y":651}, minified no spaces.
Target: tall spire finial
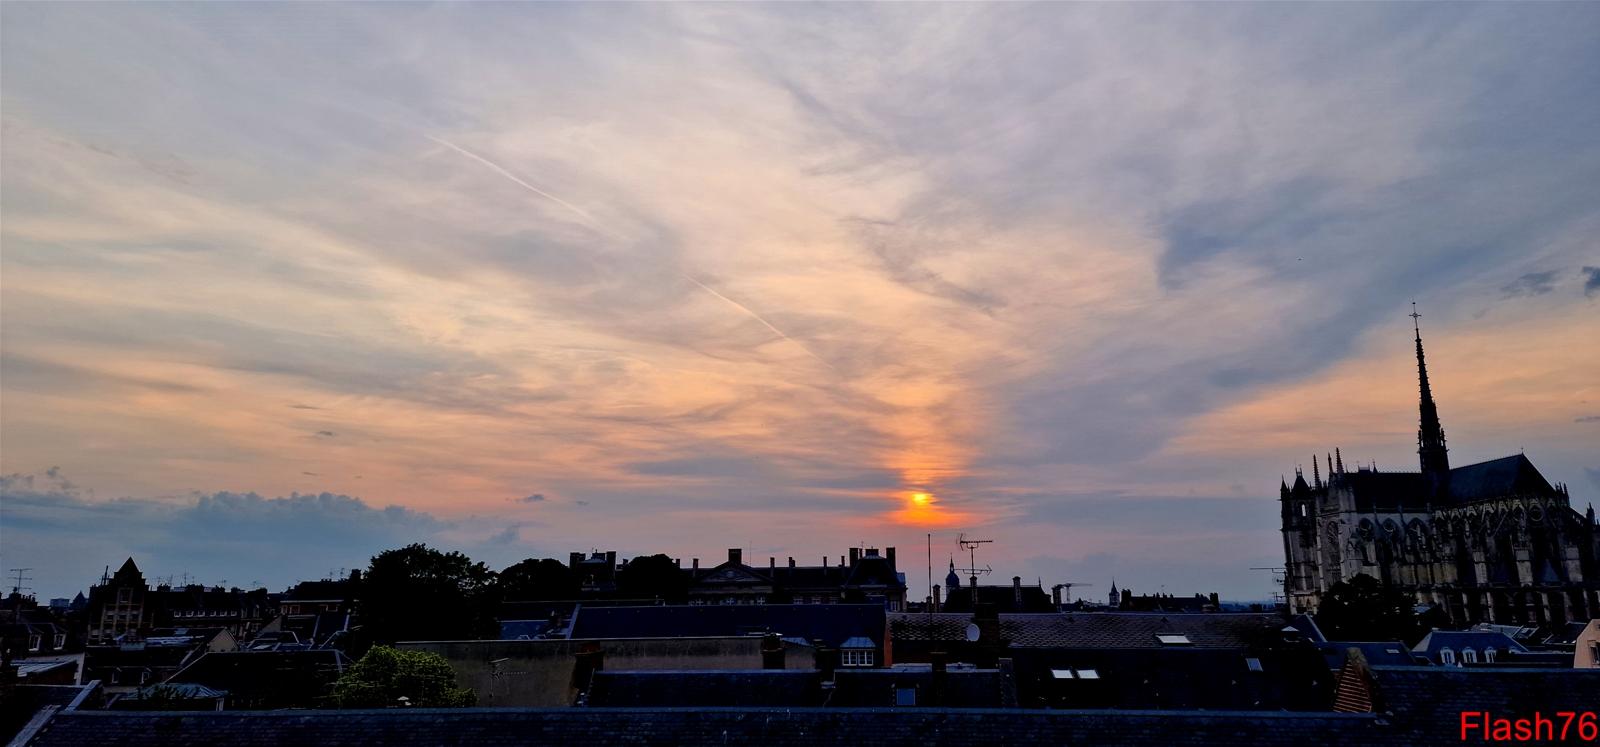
{"x":1430,"y":435}
{"x":1338,"y":460}
{"x":1316,"y":476}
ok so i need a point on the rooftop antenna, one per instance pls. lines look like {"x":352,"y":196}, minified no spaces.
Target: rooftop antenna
{"x":20,"y":586}
{"x":971,"y":546}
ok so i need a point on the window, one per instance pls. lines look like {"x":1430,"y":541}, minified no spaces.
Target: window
{"x":124,"y":596}
{"x":34,"y":642}
{"x":1447,"y":657}
{"x":905,"y":696}
{"x":1061,"y":674}
{"x":1088,"y":674}
{"x":856,"y":658}
{"x":1253,"y":663}
{"x":144,"y":676}
{"x":1172,"y":639}
{"x":1469,"y":656}
{"x":1488,"y":654}
{"x":60,"y":641}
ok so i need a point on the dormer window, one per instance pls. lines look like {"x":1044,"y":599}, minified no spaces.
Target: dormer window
{"x":1447,"y":657}
{"x":1469,"y":656}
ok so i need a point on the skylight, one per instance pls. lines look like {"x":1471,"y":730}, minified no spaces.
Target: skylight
{"x":1061,"y":674}
{"x":1088,"y":674}
{"x":1173,"y":639}
{"x":1253,"y":663}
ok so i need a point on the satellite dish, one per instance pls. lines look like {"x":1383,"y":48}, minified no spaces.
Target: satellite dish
{"x":972,"y":631}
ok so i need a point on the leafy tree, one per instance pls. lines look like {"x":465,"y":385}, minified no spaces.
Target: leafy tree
{"x":385,"y":675}
{"x":537,"y":580}
{"x":419,"y":593}
{"x":655,"y":576}
{"x":1364,"y":609}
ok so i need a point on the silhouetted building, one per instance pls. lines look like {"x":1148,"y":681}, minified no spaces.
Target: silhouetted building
{"x":1492,"y":541}
{"x":867,"y":577}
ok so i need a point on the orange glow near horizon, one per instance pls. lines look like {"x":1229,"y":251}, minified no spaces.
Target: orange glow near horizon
{"x":922,"y":509}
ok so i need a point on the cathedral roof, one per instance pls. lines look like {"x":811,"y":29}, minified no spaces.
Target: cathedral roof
{"x":1512,"y":475}
{"x":1496,"y":478}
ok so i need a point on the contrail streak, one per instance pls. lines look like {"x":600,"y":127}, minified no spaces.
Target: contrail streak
{"x":758,"y":318}
{"x":589,"y":221}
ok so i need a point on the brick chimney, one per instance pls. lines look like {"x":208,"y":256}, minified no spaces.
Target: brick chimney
{"x":696,"y":563}
{"x":1055,"y":596}
{"x":889,"y":553}
{"x":736,"y":556}
{"x":771,"y":651}
{"x":935,"y":597}
{"x":772,"y":562}
{"x":1016,"y":591}
{"x":855,"y":556}
{"x":791,"y":561}
{"x":941,"y":678}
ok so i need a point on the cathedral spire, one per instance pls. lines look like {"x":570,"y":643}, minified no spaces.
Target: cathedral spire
{"x":1430,"y":436}
{"x":1338,"y":460}
{"x":1316,"y":476}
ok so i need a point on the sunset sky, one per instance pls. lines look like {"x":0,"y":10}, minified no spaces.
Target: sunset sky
{"x":283,"y":285}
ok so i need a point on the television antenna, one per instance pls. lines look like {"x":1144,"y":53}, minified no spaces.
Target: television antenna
{"x":971,"y":546}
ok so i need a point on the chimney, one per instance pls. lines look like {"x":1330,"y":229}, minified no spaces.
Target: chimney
{"x":791,"y":561}
{"x":573,"y":559}
{"x":1055,"y":596}
{"x":889,"y":552}
{"x":611,"y":558}
{"x":855,"y":555}
{"x":936,"y":660}
{"x":935,"y":597}
{"x":677,"y":562}
{"x":772,"y":562}
{"x":588,"y":660}
{"x":824,"y":561}
{"x":696,"y":562}
{"x":841,"y":561}
{"x":1016,"y":591}
{"x":824,"y":660}
{"x":736,"y":556}
{"x":771,"y":651}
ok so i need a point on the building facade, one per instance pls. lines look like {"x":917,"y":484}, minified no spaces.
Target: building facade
{"x":1488,"y":542}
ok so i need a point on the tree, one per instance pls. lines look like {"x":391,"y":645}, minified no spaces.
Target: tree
{"x":1364,"y":609}
{"x":384,"y":675}
{"x":419,"y":593}
{"x":537,"y":580}
{"x":653,"y":576}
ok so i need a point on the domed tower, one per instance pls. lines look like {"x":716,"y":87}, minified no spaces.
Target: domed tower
{"x":951,"y":580}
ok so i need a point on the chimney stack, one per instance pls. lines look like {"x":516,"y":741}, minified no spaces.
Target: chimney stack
{"x":1016,"y":591}
{"x":791,"y":561}
{"x":771,"y":651}
{"x":935,"y":597}
{"x":772,"y":562}
{"x":736,"y":556}
{"x":1055,"y":596}
{"x":855,"y":555}
{"x":936,"y":660}
{"x":889,"y":552}
{"x":573,"y":559}
{"x":696,"y":562}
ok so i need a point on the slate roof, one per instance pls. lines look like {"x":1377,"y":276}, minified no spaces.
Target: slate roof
{"x":833,"y":623}
{"x":963,"y":688}
{"x":1034,"y":599}
{"x":786,"y":727}
{"x":1377,"y":653}
{"x":1456,"y":640}
{"x":1496,"y":478}
{"x":1295,"y":678}
{"x":23,"y":701}
{"x":319,"y":591}
{"x":267,"y":677}
{"x":1430,"y":700}
{"x":706,"y":688}
{"x":1098,"y":629}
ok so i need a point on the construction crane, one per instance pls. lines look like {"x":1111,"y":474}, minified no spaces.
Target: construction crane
{"x":1066,"y":589}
